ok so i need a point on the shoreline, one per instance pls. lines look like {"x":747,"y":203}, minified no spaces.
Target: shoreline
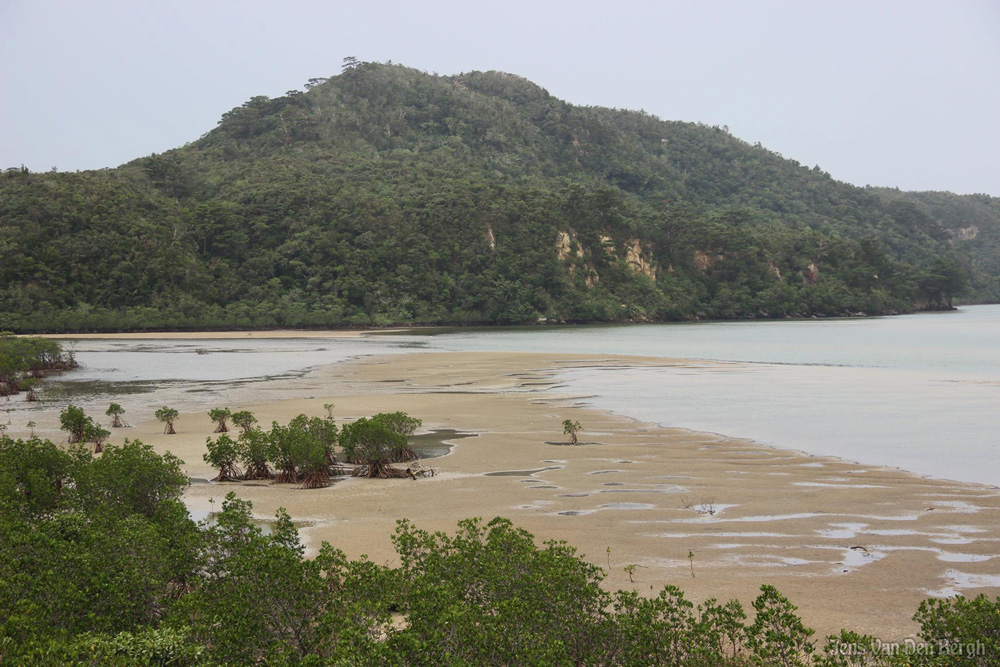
{"x":375,"y":329}
{"x":750,"y":513}
{"x":221,"y":335}
{"x":800,"y":452}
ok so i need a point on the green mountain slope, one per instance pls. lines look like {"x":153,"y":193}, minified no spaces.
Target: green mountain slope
{"x":386,"y":195}
{"x":973,"y":226}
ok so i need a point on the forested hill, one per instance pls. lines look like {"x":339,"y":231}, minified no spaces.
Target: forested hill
{"x":972,"y":222}
{"x":386,"y":195}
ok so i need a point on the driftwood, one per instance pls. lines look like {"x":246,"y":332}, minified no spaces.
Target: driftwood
{"x":417,"y":470}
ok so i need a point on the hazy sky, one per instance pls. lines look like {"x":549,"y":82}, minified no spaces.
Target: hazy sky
{"x":902,"y":94}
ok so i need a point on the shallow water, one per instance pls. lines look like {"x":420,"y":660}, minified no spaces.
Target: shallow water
{"x":436,"y":444}
{"x":144,"y":374}
{"x":919,"y":392}
{"x":220,"y":360}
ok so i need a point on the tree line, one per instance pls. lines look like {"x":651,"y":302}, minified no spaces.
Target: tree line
{"x":303,"y":451}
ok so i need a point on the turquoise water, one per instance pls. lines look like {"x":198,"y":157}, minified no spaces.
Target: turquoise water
{"x":919,"y":392}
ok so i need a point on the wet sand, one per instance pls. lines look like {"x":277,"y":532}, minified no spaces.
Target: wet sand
{"x":853,"y":546}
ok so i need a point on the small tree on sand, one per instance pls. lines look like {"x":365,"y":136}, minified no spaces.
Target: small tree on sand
{"x":282,"y":446}
{"x":222,"y":454}
{"x":220,"y":416}
{"x":97,"y":435}
{"x":400,"y":422}
{"x":253,"y":449}
{"x":73,"y":420}
{"x":312,"y":462}
{"x":115,"y":412}
{"x":168,"y":416}
{"x":373,"y":446}
{"x":29,"y":385}
{"x":300,"y":452}
{"x":323,"y":431}
{"x":571,"y":428}
{"x":314,"y":449}
{"x":244,"y":420}
{"x":405,"y":425}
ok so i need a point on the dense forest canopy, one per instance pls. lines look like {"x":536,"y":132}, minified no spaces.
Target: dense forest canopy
{"x":386,"y":195}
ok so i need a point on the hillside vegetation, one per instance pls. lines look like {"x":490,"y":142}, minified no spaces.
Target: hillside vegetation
{"x":386,"y":195}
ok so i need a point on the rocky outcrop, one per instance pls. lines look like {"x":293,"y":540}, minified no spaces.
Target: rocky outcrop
{"x":811,"y":273}
{"x":564,"y":245}
{"x":637,"y":257}
{"x":564,"y":251}
{"x":965,"y":233}
{"x":638,"y":260}
{"x":608,"y":244}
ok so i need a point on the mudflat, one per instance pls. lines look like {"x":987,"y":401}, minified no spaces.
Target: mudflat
{"x":853,"y":546}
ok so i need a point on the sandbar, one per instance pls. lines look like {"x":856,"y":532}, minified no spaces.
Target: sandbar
{"x":853,"y":546}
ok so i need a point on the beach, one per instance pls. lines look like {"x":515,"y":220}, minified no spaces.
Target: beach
{"x":853,"y":546}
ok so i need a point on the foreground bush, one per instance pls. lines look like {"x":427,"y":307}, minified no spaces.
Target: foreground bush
{"x":100,"y":564}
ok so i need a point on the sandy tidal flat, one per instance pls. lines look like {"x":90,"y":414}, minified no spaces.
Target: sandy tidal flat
{"x":853,"y":546}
